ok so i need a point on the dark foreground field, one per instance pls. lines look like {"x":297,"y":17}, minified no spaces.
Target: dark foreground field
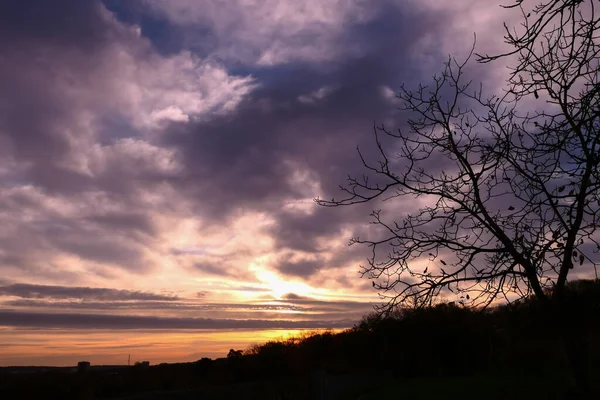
{"x":366,"y":385}
{"x":445,"y":351}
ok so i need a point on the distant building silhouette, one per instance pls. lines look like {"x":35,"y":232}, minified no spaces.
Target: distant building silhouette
{"x":143,"y":364}
{"x":83,"y":366}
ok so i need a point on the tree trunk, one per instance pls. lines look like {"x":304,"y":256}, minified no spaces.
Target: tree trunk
{"x":569,"y":327}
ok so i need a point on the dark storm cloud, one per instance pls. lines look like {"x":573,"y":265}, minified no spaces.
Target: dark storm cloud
{"x":36,"y":297}
{"x":51,"y":53}
{"x":29,"y":291}
{"x":103,"y":251}
{"x":30,"y":245}
{"x":55,"y":233}
{"x":95,"y":321}
{"x":217,"y":265}
{"x":166,"y":37}
{"x":54,"y":66}
{"x":132,"y":220}
{"x":149,"y":301}
{"x":56,"y":22}
{"x":245,"y":161}
{"x":302,"y":268}
{"x":339,"y":305}
{"x":302,"y":232}
{"x":153,"y":305}
{"x":298,"y":231}
{"x":217,"y":269}
{"x":40,"y":41}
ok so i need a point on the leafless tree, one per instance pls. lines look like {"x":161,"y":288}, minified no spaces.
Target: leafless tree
{"x":509,"y":181}
{"x":508,"y":184}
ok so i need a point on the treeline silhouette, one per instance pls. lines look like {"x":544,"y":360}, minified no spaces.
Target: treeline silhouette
{"x":509,"y":351}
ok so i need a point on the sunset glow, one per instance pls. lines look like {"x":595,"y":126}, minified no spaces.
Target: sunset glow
{"x":66,"y":348}
{"x":159,"y":161}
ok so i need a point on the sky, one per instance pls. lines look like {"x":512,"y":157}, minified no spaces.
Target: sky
{"x":159,"y":161}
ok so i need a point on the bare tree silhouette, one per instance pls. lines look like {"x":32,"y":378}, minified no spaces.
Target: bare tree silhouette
{"x":509,"y":182}
{"x":513,"y":195}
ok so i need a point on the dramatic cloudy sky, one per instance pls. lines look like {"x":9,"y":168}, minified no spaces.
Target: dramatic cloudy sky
{"x":158,"y":161}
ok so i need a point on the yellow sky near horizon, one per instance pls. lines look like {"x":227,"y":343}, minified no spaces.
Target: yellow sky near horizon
{"x":64,"y":347}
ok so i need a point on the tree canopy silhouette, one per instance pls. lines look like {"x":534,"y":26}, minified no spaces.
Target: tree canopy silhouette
{"x":508,"y":182}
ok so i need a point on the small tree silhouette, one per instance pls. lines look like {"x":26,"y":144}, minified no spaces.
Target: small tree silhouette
{"x":234,"y":354}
